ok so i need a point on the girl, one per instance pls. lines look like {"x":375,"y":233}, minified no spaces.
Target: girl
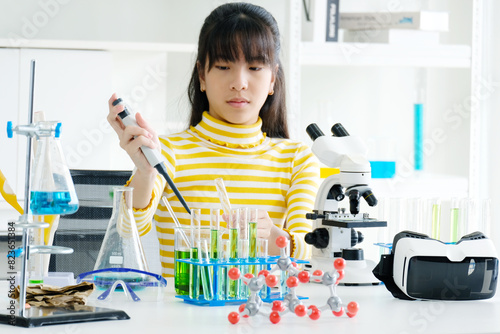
{"x":238,"y":132}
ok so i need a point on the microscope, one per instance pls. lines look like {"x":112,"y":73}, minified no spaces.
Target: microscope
{"x":334,"y":233}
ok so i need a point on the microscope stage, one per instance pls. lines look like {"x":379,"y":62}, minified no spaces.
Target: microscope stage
{"x":352,"y":223}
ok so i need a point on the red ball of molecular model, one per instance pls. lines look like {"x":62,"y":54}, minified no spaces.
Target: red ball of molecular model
{"x":291,"y":303}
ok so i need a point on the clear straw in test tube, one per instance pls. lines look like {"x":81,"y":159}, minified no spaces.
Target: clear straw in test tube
{"x":194,"y":273}
{"x":223,"y":197}
{"x":205,"y":272}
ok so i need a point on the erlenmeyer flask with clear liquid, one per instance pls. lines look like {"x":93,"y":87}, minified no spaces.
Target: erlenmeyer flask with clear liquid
{"x":121,"y":247}
{"x":52,"y":188}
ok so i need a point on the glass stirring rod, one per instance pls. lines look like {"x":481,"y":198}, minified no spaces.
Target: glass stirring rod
{"x":153,"y":156}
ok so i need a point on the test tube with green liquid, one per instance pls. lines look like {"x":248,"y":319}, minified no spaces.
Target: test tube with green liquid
{"x":215,"y":244}
{"x":234,"y":219}
{"x":194,"y":270}
{"x":436,"y":219}
{"x":456,"y":219}
{"x":253,"y":215}
{"x":214,"y":233}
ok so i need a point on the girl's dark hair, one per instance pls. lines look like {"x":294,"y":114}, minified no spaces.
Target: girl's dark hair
{"x":241,"y":27}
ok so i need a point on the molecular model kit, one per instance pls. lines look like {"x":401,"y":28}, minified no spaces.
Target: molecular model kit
{"x":291,"y":303}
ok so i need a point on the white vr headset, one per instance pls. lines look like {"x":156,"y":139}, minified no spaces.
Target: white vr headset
{"x":420,"y":267}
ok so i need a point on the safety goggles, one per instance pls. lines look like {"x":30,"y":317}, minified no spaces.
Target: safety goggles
{"x":124,"y":284}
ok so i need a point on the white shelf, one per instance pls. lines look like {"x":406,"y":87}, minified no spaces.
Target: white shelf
{"x":98,"y":45}
{"x":371,"y":54}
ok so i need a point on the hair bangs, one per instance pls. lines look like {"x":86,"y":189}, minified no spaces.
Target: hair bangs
{"x":241,"y":36}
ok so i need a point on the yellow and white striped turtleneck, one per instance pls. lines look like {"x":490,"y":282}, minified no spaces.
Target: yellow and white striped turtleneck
{"x":277,"y":175}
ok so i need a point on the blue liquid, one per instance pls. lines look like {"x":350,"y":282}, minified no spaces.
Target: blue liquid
{"x":419,"y":135}
{"x":52,"y":203}
{"x":383,"y":169}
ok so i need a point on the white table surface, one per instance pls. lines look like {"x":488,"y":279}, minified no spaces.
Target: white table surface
{"x":379,"y":313}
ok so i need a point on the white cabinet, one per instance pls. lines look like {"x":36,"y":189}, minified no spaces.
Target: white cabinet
{"x":9,"y":105}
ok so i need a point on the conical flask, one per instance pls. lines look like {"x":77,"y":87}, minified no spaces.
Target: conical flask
{"x":52,"y":188}
{"x":121,"y":247}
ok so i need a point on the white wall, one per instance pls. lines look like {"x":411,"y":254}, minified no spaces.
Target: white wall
{"x":386,"y":106}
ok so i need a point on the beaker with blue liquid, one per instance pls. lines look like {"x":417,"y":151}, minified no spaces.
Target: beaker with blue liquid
{"x":52,"y":188}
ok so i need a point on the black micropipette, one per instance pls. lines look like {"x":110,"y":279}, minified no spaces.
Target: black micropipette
{"x":154,"y":157}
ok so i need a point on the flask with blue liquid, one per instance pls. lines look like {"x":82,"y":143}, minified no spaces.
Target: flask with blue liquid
{"x":52,"y":188}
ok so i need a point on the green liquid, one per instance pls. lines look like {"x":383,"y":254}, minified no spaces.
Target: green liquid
{"x":252,"y":232}
{"x":455,"y":213}
{"x":194,"y":276}
{"x":233,"y":243}
{"x":436,"y":221}
{"x":233,"y":256}
{"x":214,"y":243}
{"x":182,"y":273}
{"x":252,"y":252}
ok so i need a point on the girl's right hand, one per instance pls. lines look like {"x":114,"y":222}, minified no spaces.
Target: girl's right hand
{"x":133,"y":137}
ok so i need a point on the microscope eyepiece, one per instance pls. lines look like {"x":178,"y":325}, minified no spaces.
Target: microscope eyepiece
{"x":314,"y":131}
{"x":339,"y":131}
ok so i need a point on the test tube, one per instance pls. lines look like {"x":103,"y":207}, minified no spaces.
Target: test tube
{"x":485,"y":217}
{"x":436,"y":219}
{"x":262,"y":253}
{"x":243,"y":253}
{"x":206,"y":274}
{"x":223,"y":286}
{"x":456,"y":219}
{"x":214,"y":233}
{"x":253,"y":215}
{"x":243,"y":244}
{"x":194,"y":272}
{"x":233,"y":248}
